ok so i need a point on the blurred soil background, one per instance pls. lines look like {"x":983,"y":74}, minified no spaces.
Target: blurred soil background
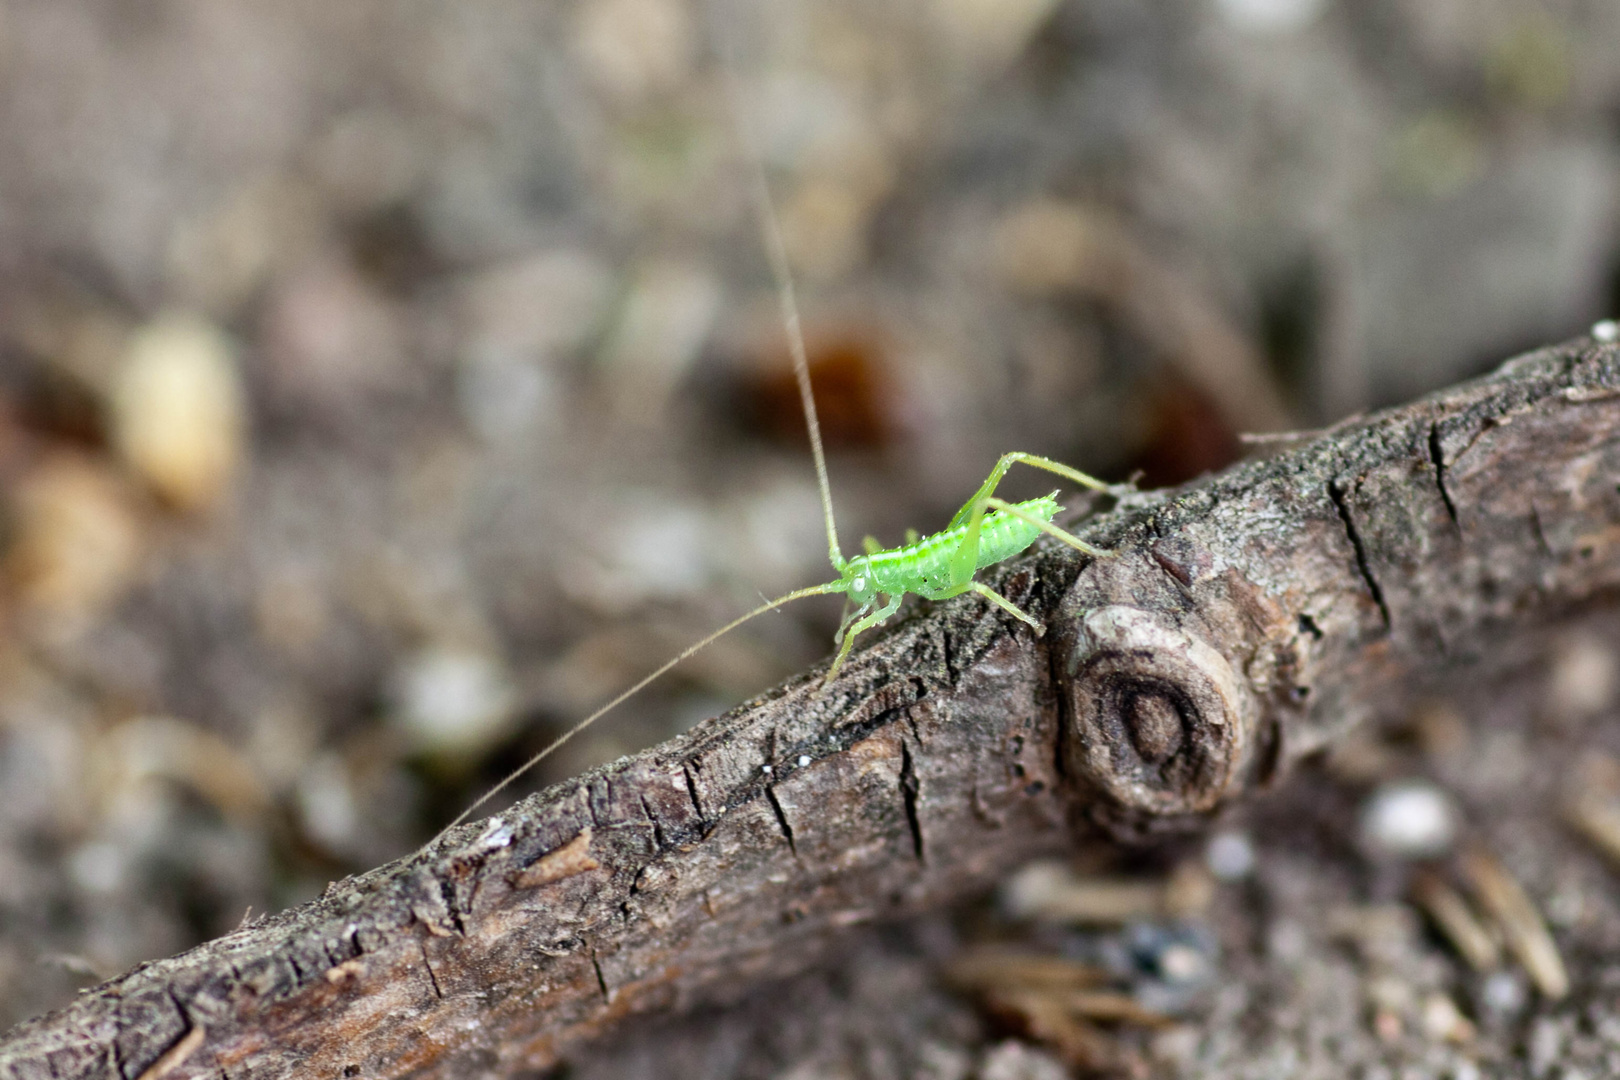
{"x":382,"y":385}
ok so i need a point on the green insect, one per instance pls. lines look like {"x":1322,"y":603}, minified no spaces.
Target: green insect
{"x":986,"y":531}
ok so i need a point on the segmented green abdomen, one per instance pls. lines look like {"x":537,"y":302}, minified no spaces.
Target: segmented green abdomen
{"x":925,"y":566}
{"x":1002,"y":536}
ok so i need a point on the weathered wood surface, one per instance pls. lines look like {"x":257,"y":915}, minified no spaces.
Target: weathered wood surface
{"x":1245,"y":620}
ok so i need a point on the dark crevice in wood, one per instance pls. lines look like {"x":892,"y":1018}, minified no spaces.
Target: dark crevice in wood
{"x":601,"y":979}
{"x":1540,"y":531}
{"x":660,"y":841}
{"x":1437,"y":457}
{"x":447,"y":893}
{"x":781,"y":818}
{"x":433,"y":977}
{"x":692,"y":793}
{"x":1337,"y":494}
{"x":909,"y":790}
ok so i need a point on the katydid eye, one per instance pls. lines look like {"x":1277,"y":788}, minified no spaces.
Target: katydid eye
{"x":860,"y":583}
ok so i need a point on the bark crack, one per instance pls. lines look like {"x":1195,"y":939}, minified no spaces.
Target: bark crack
{"x":1540,"y":531}
{"x":909,"y":788}
{"x":601,"y":979}
{"x":1336,"y":493}
{"x":781,"y":818}
{"x":1438,"y":458}
{"x":447,"y":893}
{"x":692,"y":792}
{"x":658,"y":830}
{"x":432,"y":975}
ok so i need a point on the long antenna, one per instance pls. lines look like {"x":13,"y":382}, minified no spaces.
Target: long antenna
{"x":796,"y":594}
{"x":776,"y":251}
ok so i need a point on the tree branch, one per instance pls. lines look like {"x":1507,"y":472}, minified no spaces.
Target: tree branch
{"x":1244,"y":621}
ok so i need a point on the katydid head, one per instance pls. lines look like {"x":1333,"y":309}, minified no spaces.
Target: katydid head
{"x":857,"y":581}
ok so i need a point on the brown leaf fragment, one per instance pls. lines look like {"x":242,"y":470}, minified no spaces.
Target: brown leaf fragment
{"x":993,"y":967}
{"x":1080,"y":1044}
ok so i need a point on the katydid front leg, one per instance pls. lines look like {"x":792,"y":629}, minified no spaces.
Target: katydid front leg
{"x":860,"y":626}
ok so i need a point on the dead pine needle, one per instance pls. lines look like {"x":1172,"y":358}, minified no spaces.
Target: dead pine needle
{"x":1524,"y":930}
{"x":1456,"y":921}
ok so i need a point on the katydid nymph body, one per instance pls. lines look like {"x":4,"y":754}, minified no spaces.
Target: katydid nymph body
{"x":986,"y":531}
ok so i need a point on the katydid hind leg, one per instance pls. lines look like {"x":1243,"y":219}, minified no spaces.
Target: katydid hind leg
{"x":1017,"y":457}
{"x":1009,"y":607}
{"x":1048,"y":528}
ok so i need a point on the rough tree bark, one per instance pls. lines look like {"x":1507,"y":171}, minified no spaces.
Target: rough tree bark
{"x":1244,"y":621}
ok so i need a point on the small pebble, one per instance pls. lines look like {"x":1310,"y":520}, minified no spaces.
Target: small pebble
{"x":1408,"y":819}
{"x":1503,"y":994}
{"x":1545,"y":1045}
{"x":1444,"y":1022}
{"x":1607,"y":331}
{"x":178,"y":412}
{"x":804,"y":759}
{"x":1286,"y":941}
{"x":75,"y":543}
{"x":99,"y":866}
{"x":1585,"y":679}
{"x":1182,"y":964}
{"x":1230,"y":856}
{"x":1266,"y":17}
{"x":1014,"y":1060}
{"x":327,"y":808}
{"x":453,"y":700}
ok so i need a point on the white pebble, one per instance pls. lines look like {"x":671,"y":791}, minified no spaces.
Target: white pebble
{"x":766,"y":769}
{"x":327,"y":807}
{"x":804,"y":759}
{"x":1503,"y":993}
{"x":1182,"y":964}
{"x":1263,"y":17}
{"x":1409,"y":819}
{"x":1607,"y":331}
{"x":1230,"y":856}
{"x":453,"y":700}
{"x":178,"y":412}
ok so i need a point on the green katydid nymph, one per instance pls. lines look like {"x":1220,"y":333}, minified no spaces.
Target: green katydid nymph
{"x":986,"y":531}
